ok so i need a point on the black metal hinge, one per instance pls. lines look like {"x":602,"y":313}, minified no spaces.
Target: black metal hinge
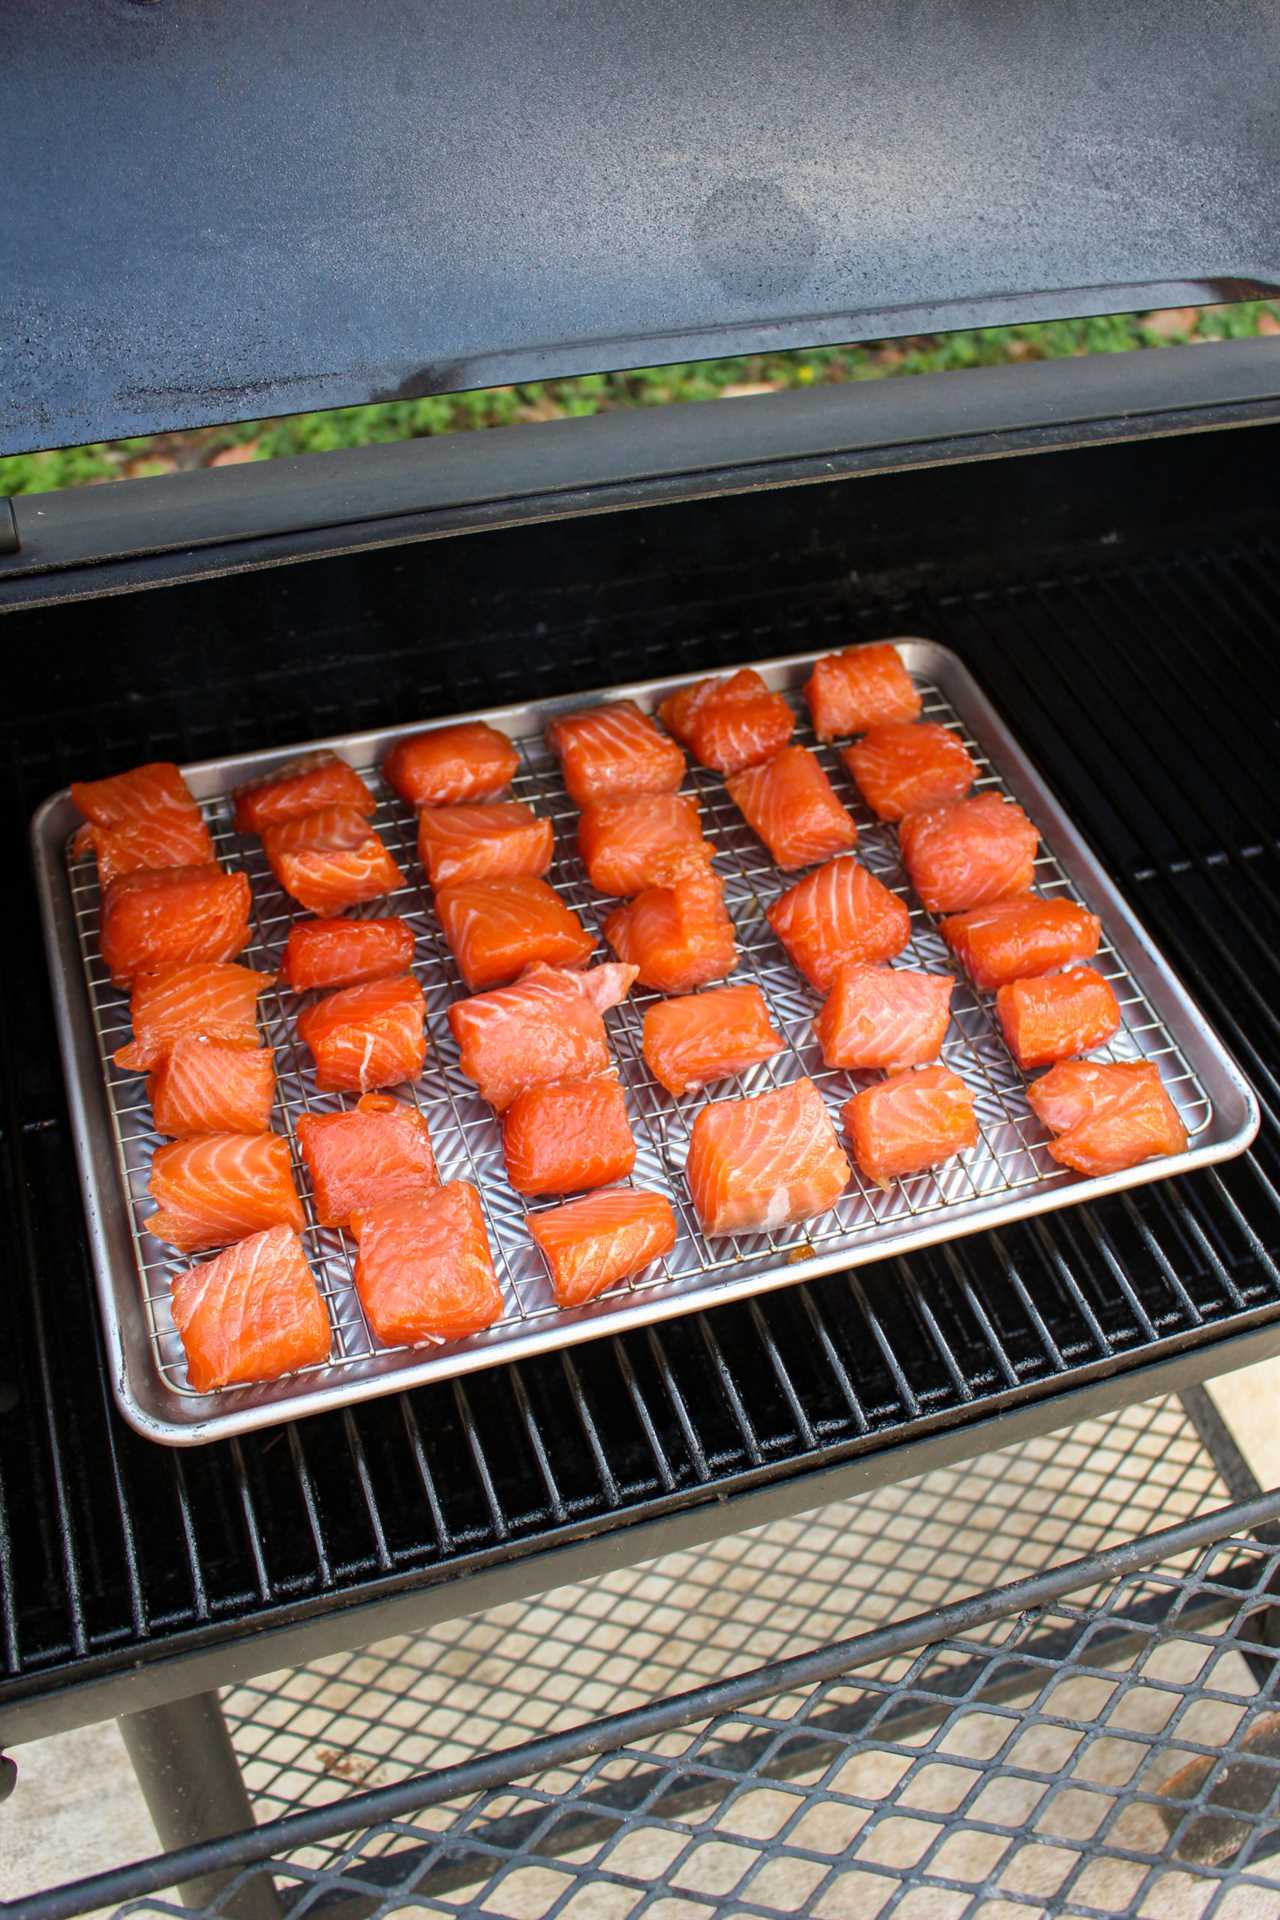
{"x":9,"y":541}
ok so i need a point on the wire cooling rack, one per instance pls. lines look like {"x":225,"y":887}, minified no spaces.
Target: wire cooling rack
{"x":1008,"y":1172}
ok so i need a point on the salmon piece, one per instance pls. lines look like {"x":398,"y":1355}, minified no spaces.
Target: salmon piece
{"x":156,"y":788}
{"x":729,"y":724}
{"x":467,"y":761}
{"x":1010,"y":939}
{"x":330,"y":860}
{"x":496,"y":927}
{"x":614,"y":749}
{"x":368,"y":1036}
{"x":206,"y":1000}
{"x":593,"y":1243}
{"x":969,"y":853}
{"x":221,"y":1187}
{"x":504,"y":840}
{"x":791,"y":805}
{"x":253,"y":1313}
{"x":702,"y":1037}
{"x":1107,"y":1117}
{"x":567,"y":1136}
{"x":379,"y":1151}
{"x":861,"y":687}
{"x":909,"y":1122}
{"x":342,"y":953}
{"x":171,"y":838}
{"x":908,"y":765}
{"x":759,"y":1164}
{"x":308,"y":784}
{"x":630,"y":841}
{"x":1060,"y":1014}
{"x":676,"y":937}
{"x":887,"y":1017}
{"x":169,"y":916}
{"x":210,"y":1086}
{"x":548,"y":1026}
{"x":837,"y":914}
{"x":424,"y":1270}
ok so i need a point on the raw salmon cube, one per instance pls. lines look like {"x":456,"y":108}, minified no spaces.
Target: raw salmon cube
{"x":157,"y":788}
{"x":568,"y":1136}
{"x":968,"y":853}
{"x":676,"y":937}
{"x":908,"y":765}
{"x":221,"y":1187}
{"x":759,"y":1164}
{"x":253,"y":1313}
{"x":729,"y":724}
{"x":424,"y":1271}
{"x":860,"y":688}
{"x":884,"y":1017}
{"x":342,"y":953}
{"x":210,"y":1086}
{"x":909,"y":1122}
{"x":379,"y":1151}
{"x":791,"y":805}
{"x":330,"y":860}
{"x":548,"y":1026}
{"x":631,"y":841}
{"x":172,"y":838}
{"x":703,"y":1037}
{"x":496,"y":927}
{"x":839,"y":913}
{"x":501,"y":840}
{"x":368,"y":1036}
{"x":306,"y":784}
{"x":614,"y":749}
{"x":171,"y":916}
{"x":1060,"y":1014}
{"x":208,"y":999}
{"x":468,"y":761}
{"x":591,"y":1244}
{"x":1010,"y":939}
{"x":1107,"y":1117}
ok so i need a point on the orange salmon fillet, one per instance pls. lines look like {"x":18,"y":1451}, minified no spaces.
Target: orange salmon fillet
{"x":330,"y":860}
{"x":503,"y":840}
{"x":907,"y":765}
{"x":379,"y":1151}
{"x":343,"y":953}
{"x":172,"y":838}
{"x":909,"y":1122}
{"x":212,"y":1086}
{"x":424,"y":1271}
{"x":496,"y":927}
{"x":614,"y":749}
{"x":207,"y":999}
{"x":701,"y":1037}
{"x":253,"y":1313}
{"x":676,"y":937}
{"x":307,"y":784}
{"x":859,"y":688}
{"x":567,"y":1136}
{"x":759,"y":1164}
{"x":729,"y":723}
{"x":1060,"y":1014}
{"x":368,"y":1036}
{"x":1010,"y":939}
{"x":839,"y":913}
{"x":630,"y":841}
{"x":887,"y":1017}
{"x":157,"y":788}
{"x":591,"y":1244}
{"x":221,"y":1187}
{"x":791,"y":805}
{"x":170,"y":916}
{"x":467,"y":761}
{"x":968,"y":853}
{"x":1107,"y":1117}
{"x":548,"y":1026}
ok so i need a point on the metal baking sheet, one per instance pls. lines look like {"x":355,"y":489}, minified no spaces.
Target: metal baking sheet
{"x":1008,"y":1174}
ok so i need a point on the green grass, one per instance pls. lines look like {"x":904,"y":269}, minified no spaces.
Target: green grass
{"x":647,"y":387}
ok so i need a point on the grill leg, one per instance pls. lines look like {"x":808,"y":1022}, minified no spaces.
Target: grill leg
{"x":190,"y":1779}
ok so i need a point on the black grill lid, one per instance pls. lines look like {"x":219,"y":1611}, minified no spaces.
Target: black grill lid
{"x":223,"y":212}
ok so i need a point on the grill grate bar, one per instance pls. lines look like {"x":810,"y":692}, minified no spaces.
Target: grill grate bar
{"x":479,"y":1460}
{"x":600,"y":1458}
{"x":356,"y":1448}
{"x":622,"y":1360}
{"x":676,"y":1400}
{"x":252,"y":1528}
{"x":297,"y":1452}
{"x":515,"y":1379}
{"x":783,"y":1377}
{"x":426,"y":1478}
